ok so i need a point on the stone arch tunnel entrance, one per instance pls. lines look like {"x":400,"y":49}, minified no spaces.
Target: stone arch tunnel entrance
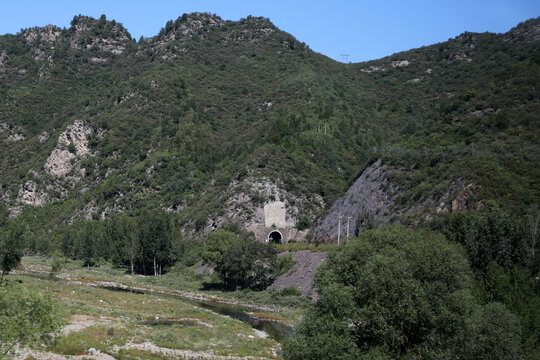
{"x":275,"y":237}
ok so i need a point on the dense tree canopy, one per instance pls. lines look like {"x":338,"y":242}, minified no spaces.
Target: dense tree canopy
{"x":493,"y":236}
{"x":240,"y":260}
{"x":400,"y":293}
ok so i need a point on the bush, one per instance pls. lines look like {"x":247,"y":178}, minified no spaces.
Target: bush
{"x":283,"y":264}
{"x":290,"y":291}
{"x":25,"y":317}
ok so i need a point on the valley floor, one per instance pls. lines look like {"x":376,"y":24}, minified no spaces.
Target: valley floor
{"x":150,"y":317}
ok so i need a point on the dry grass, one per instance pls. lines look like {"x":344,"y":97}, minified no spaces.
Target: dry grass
{"x":106,"y":320}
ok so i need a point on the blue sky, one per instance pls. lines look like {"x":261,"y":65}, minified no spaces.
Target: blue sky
{"x":363,"y":29}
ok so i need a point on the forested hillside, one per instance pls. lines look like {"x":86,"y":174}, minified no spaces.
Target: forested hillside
{"x":199,"y":117}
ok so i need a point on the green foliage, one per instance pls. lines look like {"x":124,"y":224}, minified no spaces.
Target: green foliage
{"x":493,"y":332}
{"x":246,"y":263}
{"x":88,"y":248}
{"x":143,"y":242}
{"x":216,"y":244}
{"x":57,"y":262}
{"x":365,"y":221}
{"x":188,"y":251}
{"x":25,"y":317}
{"x":283,"y":264}
{"x":492,"y":236}
{"x":71,"y":148}
{"x":517,"y":289}
{"x":290,"y":291}
{"x":154,"y":244}
{"x":502,"y":249}
{"x":399,"y":293}
{"x":303,"y":223}
{"x":11,"y":248}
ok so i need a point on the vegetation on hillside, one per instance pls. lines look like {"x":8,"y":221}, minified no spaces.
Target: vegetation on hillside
{"x":180,"y":117}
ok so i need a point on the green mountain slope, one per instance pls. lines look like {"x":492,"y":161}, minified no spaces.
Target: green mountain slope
{"x":213,"y":118}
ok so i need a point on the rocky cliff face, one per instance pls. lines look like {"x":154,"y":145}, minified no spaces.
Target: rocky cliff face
{"x":62,"y":170}
{"x":373,"y":201}
{"x":259,"y":201}
{"x":177,"y":36}
{"x":371,"y":193}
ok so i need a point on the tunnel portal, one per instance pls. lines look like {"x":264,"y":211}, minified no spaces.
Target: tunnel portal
{"x":275,"y":237}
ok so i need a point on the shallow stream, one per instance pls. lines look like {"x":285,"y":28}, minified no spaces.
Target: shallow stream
{"x":275,"y":329}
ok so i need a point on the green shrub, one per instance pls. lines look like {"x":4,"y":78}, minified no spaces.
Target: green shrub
{"x":283,"y":264}
{"x":290,"y":291}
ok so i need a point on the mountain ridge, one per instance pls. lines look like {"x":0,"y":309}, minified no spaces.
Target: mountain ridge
{"x":182,"y":119}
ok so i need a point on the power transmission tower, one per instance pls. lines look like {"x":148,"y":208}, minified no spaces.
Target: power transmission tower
{"x":344,"y":57}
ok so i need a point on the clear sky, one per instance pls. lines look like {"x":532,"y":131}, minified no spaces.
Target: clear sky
{"x":363,"y":29}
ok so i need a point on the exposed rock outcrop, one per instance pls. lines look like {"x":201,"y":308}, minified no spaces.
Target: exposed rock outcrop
{"x":400,"y":63}
{"x":63,"y":165}
{"x":3,"y":58}
{"x":12,"y":134}
{"x":373,"y":200}
{"x":111,"y":36}
{"x":62,"y":161}
{"x":371,"y":193}
{"x":258,"y":201}
{"x":30,"y":194}
{"x":44,"y":136}
{"x":46,"y":34}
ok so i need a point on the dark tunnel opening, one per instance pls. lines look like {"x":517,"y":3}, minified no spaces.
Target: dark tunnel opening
{"x":275,"y":237}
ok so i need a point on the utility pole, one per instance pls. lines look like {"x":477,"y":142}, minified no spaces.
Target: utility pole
{"x":339,"y":229}
{"x":348,"y":218}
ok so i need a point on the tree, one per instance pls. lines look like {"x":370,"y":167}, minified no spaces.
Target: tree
{"x":501,"y":250}
{"x":25,"y":316}
{"x":392,"y":293}
{"x":240,"y":260}
{"x":216,"y":244}
{"x":88,"y":245}
{"x":130,"y":245}
{"x":57,"y":262}
{"x":493,"y":332}
{"x":154,"y":243}
{"x":247,"y":262}
{"x":10,"y":248}
{"x":365,"y":221}
{"x":492,"y":236}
